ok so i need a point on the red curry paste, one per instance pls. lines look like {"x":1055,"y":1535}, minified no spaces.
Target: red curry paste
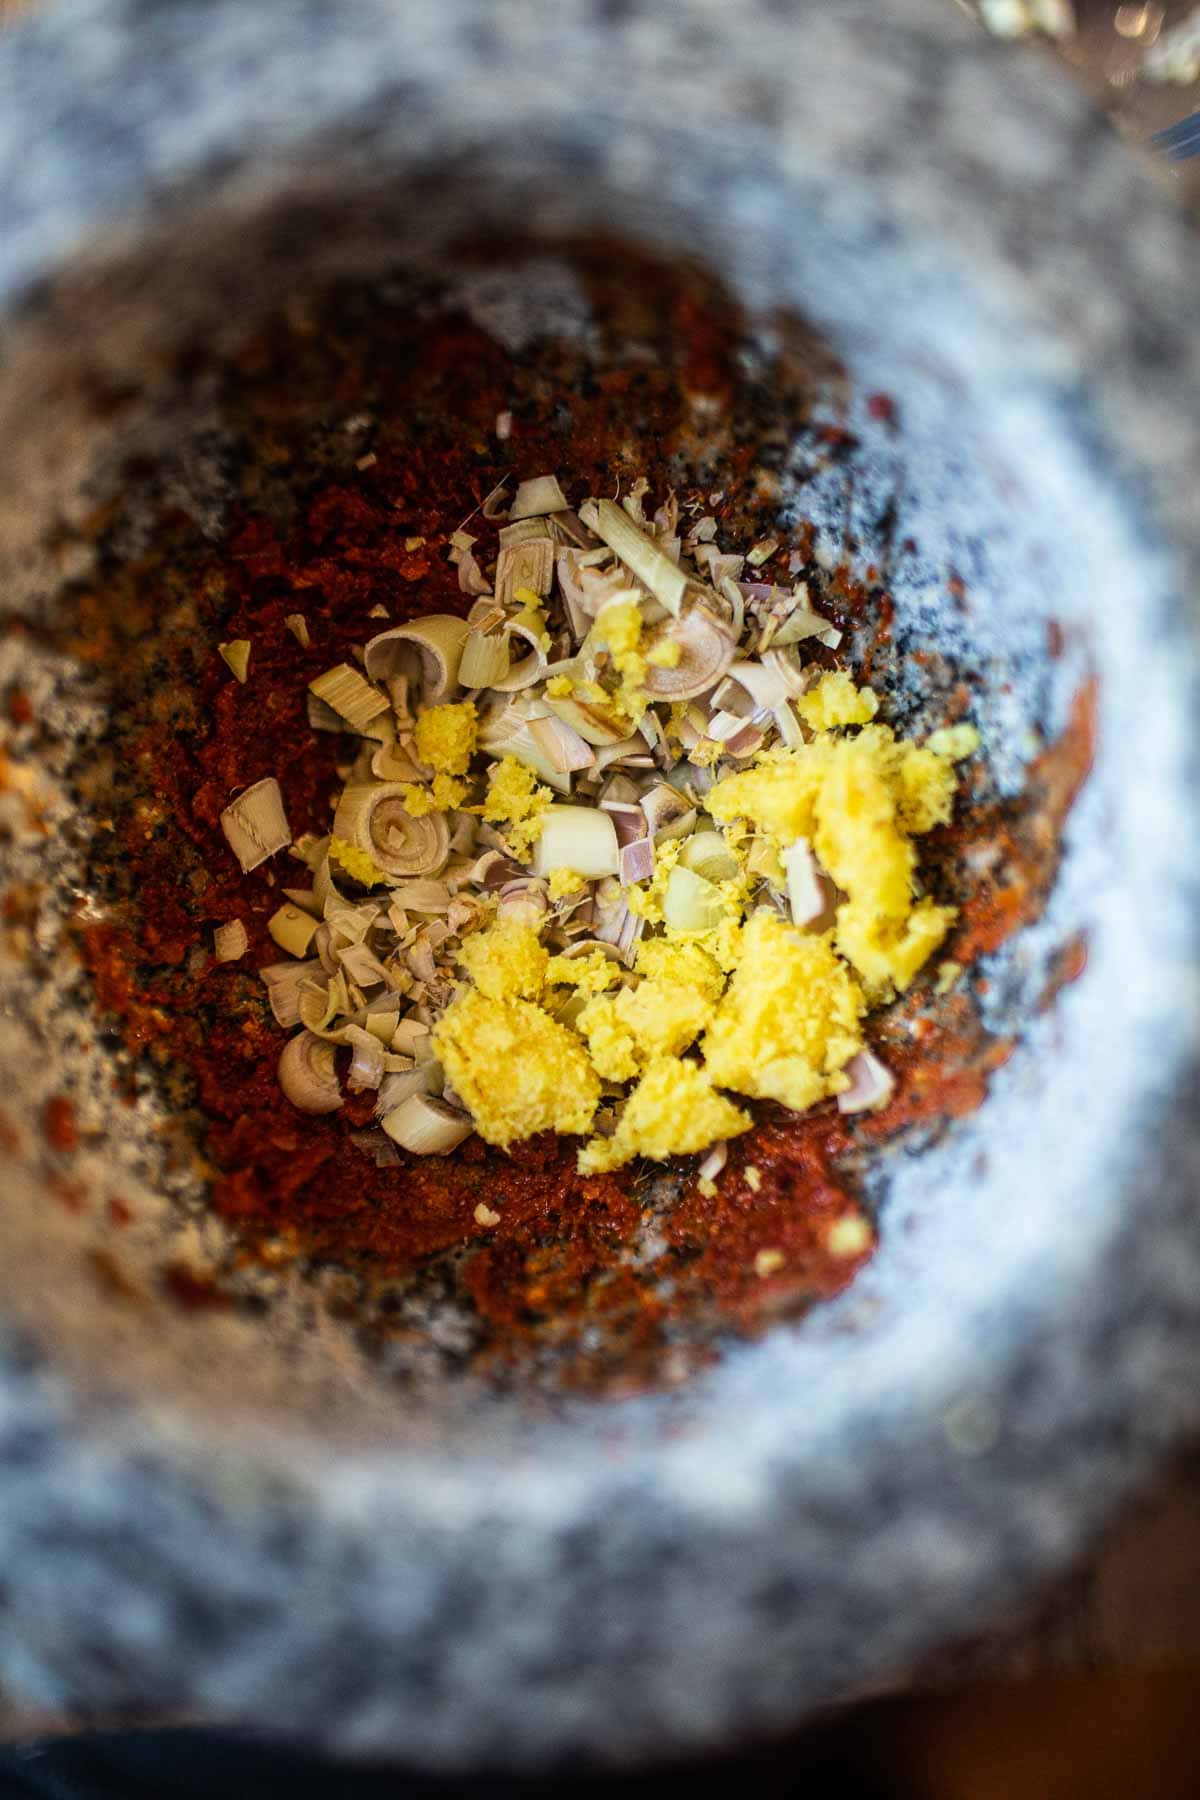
{"x":366,"y":437}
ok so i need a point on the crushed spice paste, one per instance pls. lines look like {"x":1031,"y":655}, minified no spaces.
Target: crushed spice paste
{"x":367,"y":434}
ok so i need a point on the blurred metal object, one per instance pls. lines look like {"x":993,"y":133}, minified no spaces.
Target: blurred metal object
{"x":1181,"y":141}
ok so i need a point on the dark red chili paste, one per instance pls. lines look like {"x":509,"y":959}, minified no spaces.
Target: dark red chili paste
{"x":366,"y":435}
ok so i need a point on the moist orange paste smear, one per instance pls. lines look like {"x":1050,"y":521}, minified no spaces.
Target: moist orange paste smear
{"x":366,"y":435}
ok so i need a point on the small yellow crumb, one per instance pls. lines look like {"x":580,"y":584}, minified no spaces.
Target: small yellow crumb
{"x":848,"y":1236}
{"x":707,"y":1186}
{"x":485,"y":1216}
{"x":665,"y":655}
{"x":752,"y":1177}
{"x":954,"y":742}
{"x":564,"y":882}
{"x":414,"y":543}
{"x":836,"y":701}
{"x":559,"y":687}
{"x":948,"y":975}
{"x":768,"y":1262}
{"x":356,"y":863}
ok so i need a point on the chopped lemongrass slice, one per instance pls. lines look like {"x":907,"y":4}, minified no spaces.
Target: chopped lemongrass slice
{"x":305,"y":899}
{"x":414,"y":1039}
{"x":690,"y":903}
{"x":255,"y":824}
{"x":761,"y":552}
{"x":872,"y":1084}
{"x":307,"y":1074}
{"x":526,"y":565}
{"x":236,"y":656}
{"x":297,"y":624}
{"x":230,"y":941}
{"x":565,"y":749}
{"x":350,"y":695}
{"x":366,"y":1065}
{"x":399,"y":1084}
{"x":706,"y":853}
{"x":808,"y":893}
{"x":292,"y":929}
{"x":485,"y":659}
{"x":576,"y":837}
{"x":424,"y":654}
{"x":538,"y":496}
{"x":426,"y":1126}
{"x":372,"y":816}
{"x":640,"y":554}
{"x":284,"y":982}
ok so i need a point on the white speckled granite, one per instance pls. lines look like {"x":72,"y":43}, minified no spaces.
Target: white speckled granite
{"x":508,"y":1581}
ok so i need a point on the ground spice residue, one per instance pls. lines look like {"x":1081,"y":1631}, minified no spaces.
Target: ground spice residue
{"x":366,"y":434}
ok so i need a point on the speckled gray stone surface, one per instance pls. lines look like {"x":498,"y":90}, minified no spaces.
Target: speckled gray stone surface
{"x":469,"y":1579}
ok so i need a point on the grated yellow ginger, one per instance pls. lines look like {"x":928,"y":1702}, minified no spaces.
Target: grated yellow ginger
{"x":859,"y":800}
{"x":836,"y":701}
{"x":587,"y":974}
{"x":445,"y":738}
{"x":618,"y":629}
{"x":564,"y":882}
{"x":673,"y":1111}
{"x":516,"y":1069}
{"x":790,"y":1018}
{"x":516,"y":799}
{"x":355,"y":862}
{"x":506,"y":961}
{"x":442,"y":795}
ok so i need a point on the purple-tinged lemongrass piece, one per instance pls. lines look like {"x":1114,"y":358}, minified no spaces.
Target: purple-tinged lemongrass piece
{"x":872,"y":1084}
{"x":255,"y":824}
{"x":308,"y":1075}
{"x":668,"y":813}
{"x":637,"y":861}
